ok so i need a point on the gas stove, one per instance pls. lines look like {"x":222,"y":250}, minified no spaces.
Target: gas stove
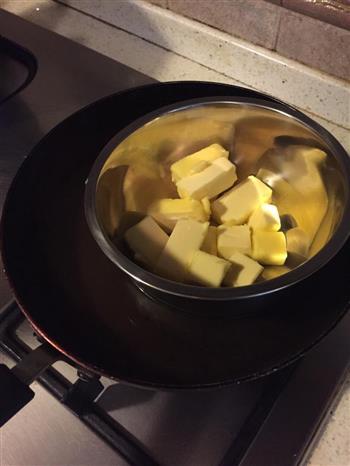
{"x":79,"y":418}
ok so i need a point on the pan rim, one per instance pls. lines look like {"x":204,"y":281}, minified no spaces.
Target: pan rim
{"x":134,"y":381}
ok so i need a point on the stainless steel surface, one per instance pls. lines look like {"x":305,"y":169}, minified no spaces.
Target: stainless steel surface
{"x":179,"y":428}
{"x":45,"y":434}
{"x":191,"y":428}
{"x":30,"y":367}
{"x":307,"y":180}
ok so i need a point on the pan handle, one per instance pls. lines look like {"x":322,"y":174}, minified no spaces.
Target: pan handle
{"x":15,"y":392}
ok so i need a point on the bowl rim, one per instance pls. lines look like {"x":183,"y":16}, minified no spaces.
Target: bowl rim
{"x":149,"y":279}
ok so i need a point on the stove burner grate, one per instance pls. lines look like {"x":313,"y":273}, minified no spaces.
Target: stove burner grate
{"x":80,"y":398}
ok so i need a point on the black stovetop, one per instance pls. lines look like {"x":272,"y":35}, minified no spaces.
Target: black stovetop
{"x":273,"y":421}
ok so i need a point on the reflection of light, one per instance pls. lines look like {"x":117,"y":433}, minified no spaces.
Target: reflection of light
{"x":271,"y":178}
{"x":37,"y":9}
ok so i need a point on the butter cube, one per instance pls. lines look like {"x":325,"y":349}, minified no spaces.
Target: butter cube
{"x":198,"y":167}
{"x":234,"y":239}
{"x":210,"y":242}
{"x":187,"y":237}
{"x":196,"y":162}
{"x":298,"y":242}
{"x":147,"y":240}
{"x":269,"y":247}
{"x":266,"y":218}
{"x":206,"y":206}
{"x":243,"y":271}
{"x":235,"y":206}
{"x":210,"y":182}
{"x":168,"y":211}
{"x":206,"y":269}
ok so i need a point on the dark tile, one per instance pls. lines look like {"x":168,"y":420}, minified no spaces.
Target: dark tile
{"x":253,"y":20}
{"x":336,"y":12}
{"x":317,"y":44}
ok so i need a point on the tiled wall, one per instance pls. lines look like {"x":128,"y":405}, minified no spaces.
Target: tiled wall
{"x":336,"y":12}
{"x":314,"y":32}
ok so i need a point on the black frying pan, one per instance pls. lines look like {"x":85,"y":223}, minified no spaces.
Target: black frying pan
{"x":88,"y":309}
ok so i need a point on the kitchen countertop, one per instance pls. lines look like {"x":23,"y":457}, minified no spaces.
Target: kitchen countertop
{"x":333,"y":448}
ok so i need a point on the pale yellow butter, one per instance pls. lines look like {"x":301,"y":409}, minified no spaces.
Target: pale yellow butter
{"x":235,"y":206}
{"x":266,"y":218}
{"x":206,"y":206}
{"x":196,"y":162}
{"x":168,"y":211}
{"x":147,"y":240}
{"x":243,"y":271}
{"x":206,"y":269}
{"x":210,"y":242}
{"x":187,"y":237}
{"x":269,"y":247}
{"x":198,"y":167}
{"x":234,"y":239}
{"x":213,"y":180}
